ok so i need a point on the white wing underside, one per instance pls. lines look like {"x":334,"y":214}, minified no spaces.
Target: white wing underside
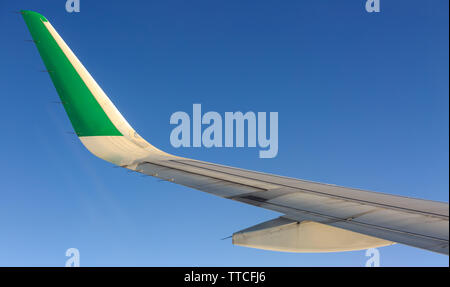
{"x":394,"y":219}
{"x":419,"y":223}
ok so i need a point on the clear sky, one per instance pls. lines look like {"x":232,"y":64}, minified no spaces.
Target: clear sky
{"x":362,"y":101}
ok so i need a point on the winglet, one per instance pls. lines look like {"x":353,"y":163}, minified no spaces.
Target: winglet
{"x":74,"y":85}
{"x":95,"y":119}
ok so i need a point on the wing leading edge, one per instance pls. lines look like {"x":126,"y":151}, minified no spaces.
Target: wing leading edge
{"x":316,"y":217}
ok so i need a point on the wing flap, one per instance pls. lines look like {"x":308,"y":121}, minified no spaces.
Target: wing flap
{"x":282,"y":234}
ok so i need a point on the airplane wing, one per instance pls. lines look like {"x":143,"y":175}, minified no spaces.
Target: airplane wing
{"x":316,"y":217}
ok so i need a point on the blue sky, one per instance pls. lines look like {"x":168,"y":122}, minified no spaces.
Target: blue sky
{"x":362,"y":101}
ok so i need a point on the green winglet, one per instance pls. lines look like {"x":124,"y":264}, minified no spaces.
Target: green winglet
{"x":85,"y":113}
